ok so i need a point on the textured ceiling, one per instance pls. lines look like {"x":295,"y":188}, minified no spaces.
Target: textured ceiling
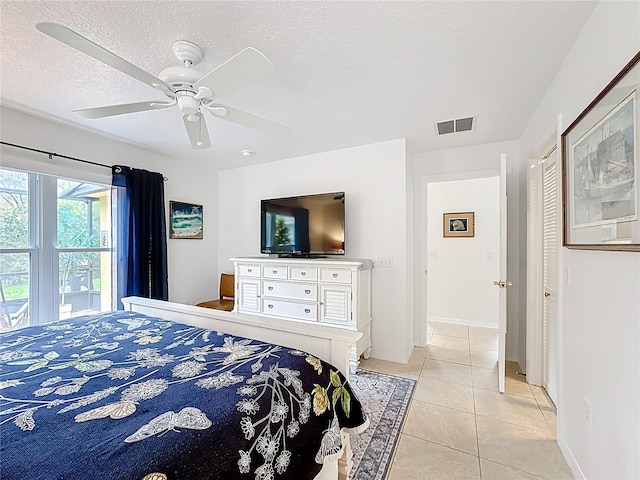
{"x":346,"y":73}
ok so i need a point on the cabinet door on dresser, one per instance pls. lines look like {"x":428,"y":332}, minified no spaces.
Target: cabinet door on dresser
{"x":335,"y":303}
{"x":248,"y":295}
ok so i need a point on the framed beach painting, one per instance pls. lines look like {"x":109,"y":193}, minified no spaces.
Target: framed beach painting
{"x":459,"y":224}
{"x":185,"y":220}
{"x":600,"y":169}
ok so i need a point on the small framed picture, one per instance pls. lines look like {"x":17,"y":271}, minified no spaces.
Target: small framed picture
{"x":185,"y":220}
{"x":459,"y":224}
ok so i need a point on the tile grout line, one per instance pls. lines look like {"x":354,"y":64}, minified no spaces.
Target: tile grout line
{"x":475,"y":414}
{"x":440,"y":444}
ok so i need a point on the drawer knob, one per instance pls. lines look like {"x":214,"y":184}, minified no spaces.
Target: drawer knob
{"x":302,"y":274}
{"x":307,"y":291}
{"x":307,"y":310}
{"x":275,"y":271}
{"x":270,"y":306}
{"x":270,"y":288}
{"x":249,"y":270}
{"x":335,"y":275}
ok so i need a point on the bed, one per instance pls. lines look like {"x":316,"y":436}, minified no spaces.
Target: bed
{"x":164,"y":391}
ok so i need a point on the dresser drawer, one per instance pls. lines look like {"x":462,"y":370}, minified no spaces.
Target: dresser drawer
{"x":335,"y":275}
{"x":303,"y":273}
{"x":277,"y":271}
{"x":249,"y":270}
{"x":296,"y":291}
{"x":281,"y":308}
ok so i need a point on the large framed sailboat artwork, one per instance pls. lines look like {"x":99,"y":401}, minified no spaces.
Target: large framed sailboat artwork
{"x":601,"y":178}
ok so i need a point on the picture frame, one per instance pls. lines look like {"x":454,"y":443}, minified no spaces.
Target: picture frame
{"x":185,"y":220}
{"x":458,"y":224}
{"x":601,"y":170}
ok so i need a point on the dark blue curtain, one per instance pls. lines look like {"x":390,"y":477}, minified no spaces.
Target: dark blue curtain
{"x":141,"y":234}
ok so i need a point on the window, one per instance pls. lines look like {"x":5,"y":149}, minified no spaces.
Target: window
{"x":55,"y":255}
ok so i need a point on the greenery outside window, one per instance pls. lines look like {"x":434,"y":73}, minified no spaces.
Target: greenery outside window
{"x":55,"y":248}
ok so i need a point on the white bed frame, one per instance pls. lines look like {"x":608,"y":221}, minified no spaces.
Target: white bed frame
{"x":331,"y":344}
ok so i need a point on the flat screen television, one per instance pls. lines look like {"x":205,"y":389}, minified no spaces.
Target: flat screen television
{"x":306,"y":225}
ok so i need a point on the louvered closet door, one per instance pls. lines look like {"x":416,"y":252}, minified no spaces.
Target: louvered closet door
{"x":550,"y":274}
{"x":535,"y":342}
{"x":335,"y":304}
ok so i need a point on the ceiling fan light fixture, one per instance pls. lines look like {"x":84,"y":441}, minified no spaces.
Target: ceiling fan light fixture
{"x":188,"y":104}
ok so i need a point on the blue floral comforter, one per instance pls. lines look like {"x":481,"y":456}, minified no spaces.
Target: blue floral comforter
{"x":126,"y":396}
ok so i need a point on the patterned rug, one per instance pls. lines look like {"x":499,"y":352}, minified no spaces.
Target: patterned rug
{"x":385,"y":399}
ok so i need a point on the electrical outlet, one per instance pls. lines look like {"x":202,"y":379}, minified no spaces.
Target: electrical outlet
{"x":587,"y":411}
{"x":385,"y":262}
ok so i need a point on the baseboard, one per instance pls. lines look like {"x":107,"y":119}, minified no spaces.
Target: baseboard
{"x":457,"y":321}
{"x":571,"y":460}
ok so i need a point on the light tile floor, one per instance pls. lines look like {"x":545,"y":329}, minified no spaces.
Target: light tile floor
{"x":459,"y":426}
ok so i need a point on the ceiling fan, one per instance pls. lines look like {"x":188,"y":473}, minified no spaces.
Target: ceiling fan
{"x":185,"y":86}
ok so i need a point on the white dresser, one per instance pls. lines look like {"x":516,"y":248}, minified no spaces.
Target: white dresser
{"x":325,"y":290}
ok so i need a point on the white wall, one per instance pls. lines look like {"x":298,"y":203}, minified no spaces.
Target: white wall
{"x":473,"y":162}
{"x":600,"y":324}
{"x":193,"y":273}
{"x":373,"y":178}
{"x":464,"y":269}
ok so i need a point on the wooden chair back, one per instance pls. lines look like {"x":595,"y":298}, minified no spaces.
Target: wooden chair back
{"x":227,"y":285}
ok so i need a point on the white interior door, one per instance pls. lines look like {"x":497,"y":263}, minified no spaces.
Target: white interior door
{"x":550,"y":275}
{"x":502,"y":283}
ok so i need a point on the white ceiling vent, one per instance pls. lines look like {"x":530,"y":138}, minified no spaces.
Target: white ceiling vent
{"x":456,"y":125}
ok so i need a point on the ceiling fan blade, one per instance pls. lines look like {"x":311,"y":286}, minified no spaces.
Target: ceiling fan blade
{"x":252,"y":121}
{"x":111,"y":110}
{"x":242,"y":69}
{"x":77,"y":41}
{"x":197,"y":132}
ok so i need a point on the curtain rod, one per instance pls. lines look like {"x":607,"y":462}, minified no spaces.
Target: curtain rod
{"x":52,"y":154}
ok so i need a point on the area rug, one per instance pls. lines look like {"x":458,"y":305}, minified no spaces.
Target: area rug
{"x":385,"y":398}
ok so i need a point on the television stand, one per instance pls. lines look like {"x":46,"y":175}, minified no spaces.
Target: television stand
{"x":334,"y":292}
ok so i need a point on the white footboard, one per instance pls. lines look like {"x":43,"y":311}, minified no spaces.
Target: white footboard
{"x":330,"y":344}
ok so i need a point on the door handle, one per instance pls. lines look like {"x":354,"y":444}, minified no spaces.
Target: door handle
{"x":547,"y":294}
{"x":502,"y":283}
